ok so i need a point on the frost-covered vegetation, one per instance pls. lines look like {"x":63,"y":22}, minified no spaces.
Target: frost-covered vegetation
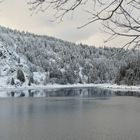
{"x":129,"y":74}
{"x":33,"y":59}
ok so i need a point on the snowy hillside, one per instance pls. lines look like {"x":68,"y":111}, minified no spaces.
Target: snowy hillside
{"x":27,"y":59}
{"x":10,"y":63}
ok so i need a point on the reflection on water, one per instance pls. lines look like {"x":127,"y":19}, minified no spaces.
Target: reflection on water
{"x":69,"y":92}
{"x":127,"y":93}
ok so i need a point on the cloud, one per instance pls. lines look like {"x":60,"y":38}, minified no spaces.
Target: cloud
{"x":99,"y":40}
{"x":15,"y":14}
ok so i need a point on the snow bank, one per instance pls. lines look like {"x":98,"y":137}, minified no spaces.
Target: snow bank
{"x":113,"y":87}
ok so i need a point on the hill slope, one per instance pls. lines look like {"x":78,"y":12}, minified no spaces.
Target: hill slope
{"x":44,"y":60}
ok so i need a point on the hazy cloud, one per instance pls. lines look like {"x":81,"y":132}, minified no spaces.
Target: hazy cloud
{"x":15,"y":14}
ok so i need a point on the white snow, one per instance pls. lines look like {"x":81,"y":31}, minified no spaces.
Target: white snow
{"x":113,"y":87}
{"x":39,"y":77}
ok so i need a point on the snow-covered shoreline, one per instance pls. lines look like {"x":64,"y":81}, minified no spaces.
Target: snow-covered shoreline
{"x":112,"y":87}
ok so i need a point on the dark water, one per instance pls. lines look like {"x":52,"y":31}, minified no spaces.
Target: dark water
{"x":70,"y":114}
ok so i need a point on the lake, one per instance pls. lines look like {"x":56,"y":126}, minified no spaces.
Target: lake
{"x":69,"y":114}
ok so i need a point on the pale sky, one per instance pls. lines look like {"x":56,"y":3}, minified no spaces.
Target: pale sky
{"x":15,"y":14}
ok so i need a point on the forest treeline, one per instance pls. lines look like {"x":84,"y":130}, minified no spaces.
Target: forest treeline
{"x":63,"y":62}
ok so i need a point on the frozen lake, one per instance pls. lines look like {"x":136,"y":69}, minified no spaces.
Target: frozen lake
{"x":70,"y":114}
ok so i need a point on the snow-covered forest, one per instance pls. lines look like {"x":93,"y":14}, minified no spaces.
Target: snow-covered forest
{"x":33,"y":59}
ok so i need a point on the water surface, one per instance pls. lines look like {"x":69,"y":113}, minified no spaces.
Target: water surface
{"x":70,"y":114}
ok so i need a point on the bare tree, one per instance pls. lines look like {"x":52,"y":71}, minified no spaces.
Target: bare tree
{"x":119,"y":17}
